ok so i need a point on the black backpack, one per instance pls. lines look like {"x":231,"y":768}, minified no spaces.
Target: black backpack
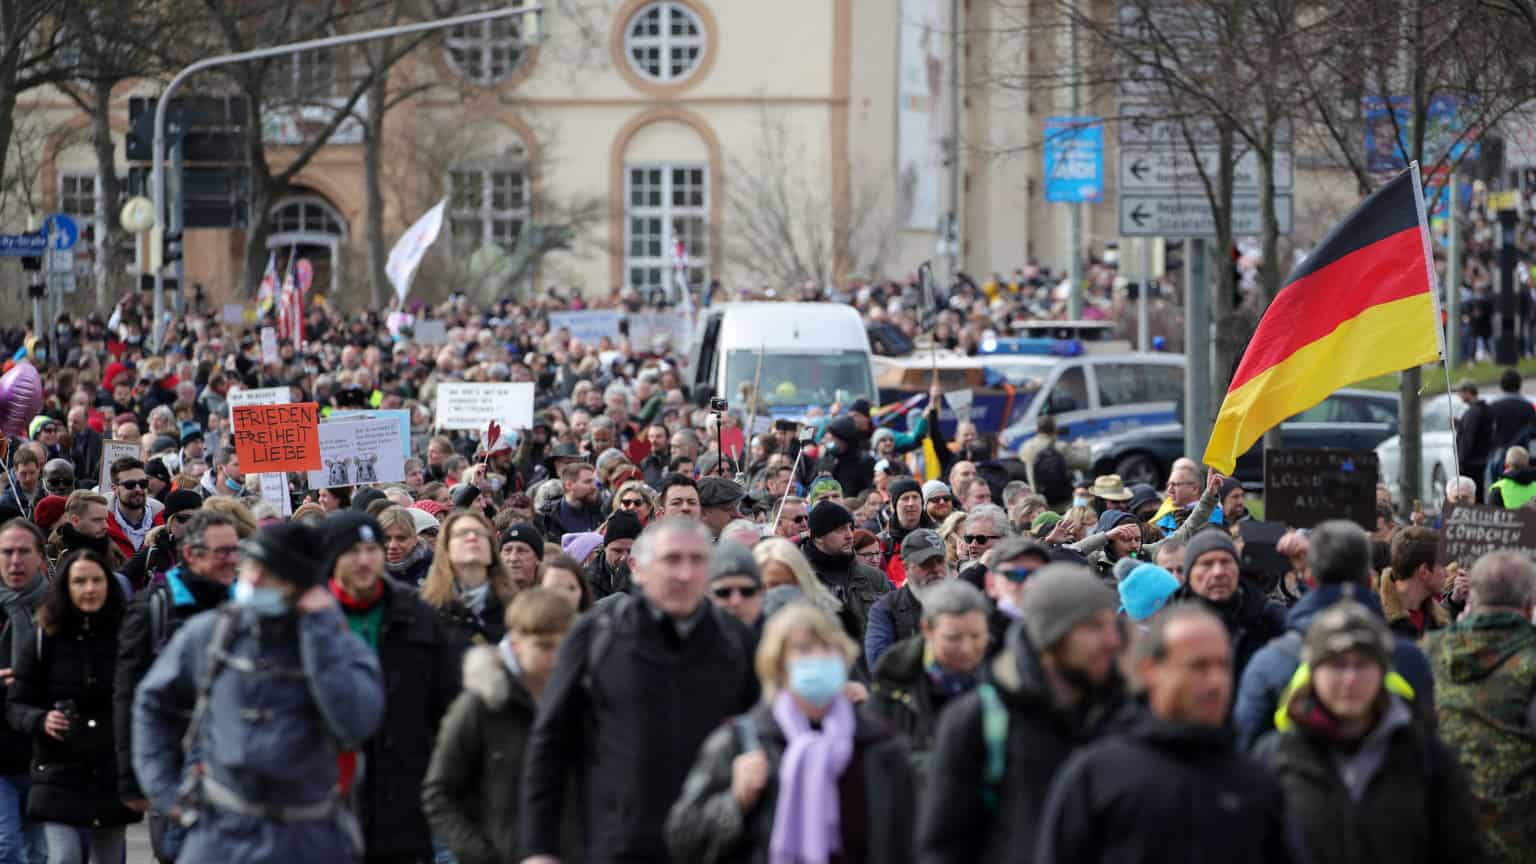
{"x":1051,"y":476}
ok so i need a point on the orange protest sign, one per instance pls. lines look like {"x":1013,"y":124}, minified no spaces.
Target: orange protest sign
{"x":277,"y":437}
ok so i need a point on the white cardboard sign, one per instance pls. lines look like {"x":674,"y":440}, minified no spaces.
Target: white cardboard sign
{"x":359,"y":451}
{"x":473,"y":405}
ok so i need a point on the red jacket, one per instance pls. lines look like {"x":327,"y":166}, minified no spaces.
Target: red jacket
{"x":120,"y":537}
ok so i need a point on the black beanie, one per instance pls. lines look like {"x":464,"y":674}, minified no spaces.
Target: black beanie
{"x":365,"y":496}
{"x":622,"y":525}
{"x":522,"y":532}
{"x":342,"y":530}
{"x":284,"y":549}
{"x":903,"y":486}
{"x":828,"y":516}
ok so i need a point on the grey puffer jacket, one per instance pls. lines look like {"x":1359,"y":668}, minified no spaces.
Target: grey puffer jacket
{"x":270,"y":734}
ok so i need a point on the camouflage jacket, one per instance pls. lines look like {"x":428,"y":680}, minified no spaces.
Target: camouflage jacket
{"x":1485,"y":679}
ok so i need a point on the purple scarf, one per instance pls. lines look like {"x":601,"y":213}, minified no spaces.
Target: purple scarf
{"x":806,"y":821}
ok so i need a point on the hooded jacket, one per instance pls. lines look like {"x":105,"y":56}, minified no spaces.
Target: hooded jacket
{"x":955,"y":824}
{"x":1270,"y":670}
{"x":875,"y":797}
{"x":115,"y":529}
{"x":66,"y":539}
{"x":1251,"y":618}
{"x":1485,"y":678}
{"x":1161,"y":792}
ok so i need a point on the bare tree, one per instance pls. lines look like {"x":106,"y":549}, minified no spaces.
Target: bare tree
{"x":787,"y":227}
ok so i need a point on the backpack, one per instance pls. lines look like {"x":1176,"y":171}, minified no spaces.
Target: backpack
{"x":1051,"y":477}
{"x":994,"y":734}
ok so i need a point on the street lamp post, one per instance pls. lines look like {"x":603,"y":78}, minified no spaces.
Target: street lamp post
{"x":157,"y":178}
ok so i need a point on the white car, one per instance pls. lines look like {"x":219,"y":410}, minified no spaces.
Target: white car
{"x":1437,"y":454}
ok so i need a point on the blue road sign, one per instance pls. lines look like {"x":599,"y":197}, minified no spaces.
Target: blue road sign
{"x":1074,"y":159}
{"x":23,"y":245}
{"x":61,"y":231}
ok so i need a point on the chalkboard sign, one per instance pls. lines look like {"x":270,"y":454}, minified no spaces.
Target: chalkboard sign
{"x":1471,"y":531}
{"x":1305,"y":487}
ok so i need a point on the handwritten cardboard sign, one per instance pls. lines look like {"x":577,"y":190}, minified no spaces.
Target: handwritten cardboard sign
{"x":277,"y":437}
{"x":111,"y":451}
{"x":256,"y":396}
{"x":473,"y":405}
{"x":1305,"y":487}
{"x":1471,"y":531}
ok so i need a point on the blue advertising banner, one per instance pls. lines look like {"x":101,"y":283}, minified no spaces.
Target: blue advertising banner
{"x":1074,"y":159}
{"x":1389,"y":133}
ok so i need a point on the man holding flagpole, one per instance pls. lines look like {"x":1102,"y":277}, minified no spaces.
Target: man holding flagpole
{"x":1362,"y":304}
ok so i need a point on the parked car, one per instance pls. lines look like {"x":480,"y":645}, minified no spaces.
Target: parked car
{"x":1437,"y":456}
{"x":1348,"y":419}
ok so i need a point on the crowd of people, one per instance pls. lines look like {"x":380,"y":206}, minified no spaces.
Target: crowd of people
{"x":601,"y":639}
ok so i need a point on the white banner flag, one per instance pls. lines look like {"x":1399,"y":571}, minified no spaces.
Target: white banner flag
{"x":411,"y":247}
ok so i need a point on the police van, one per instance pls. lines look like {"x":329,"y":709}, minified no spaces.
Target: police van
{"x":800,"y":355}
{"x":1089,"y":394}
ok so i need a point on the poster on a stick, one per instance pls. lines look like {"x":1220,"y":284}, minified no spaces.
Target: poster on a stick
{"x":1470,"y":531}
{"x":278,"y":437}
{"x":358,"y":451}
{"x":473,"y":405}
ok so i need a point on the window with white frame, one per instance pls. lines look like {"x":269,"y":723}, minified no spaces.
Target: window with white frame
{"x":664,"y":41}
{"x":485,"y":52}
{"x":77,"y":199}
{"x":664,"y":204}
{"x":485,"y":206}
{"x":305,"y":76}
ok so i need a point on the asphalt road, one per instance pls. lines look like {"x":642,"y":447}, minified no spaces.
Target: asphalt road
{"x":138,"y":845}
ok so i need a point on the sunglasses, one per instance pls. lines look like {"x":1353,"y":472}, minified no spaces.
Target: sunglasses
{"x":1018,"y":574}
{"x":724,"y":592}
{"x":940,"y":499}
{"x":133,"y":484}
{"x":979,"y":539}
{"x":630,"y":503}
{"x":802,"y":519}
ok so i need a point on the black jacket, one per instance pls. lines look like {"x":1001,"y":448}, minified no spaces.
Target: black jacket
{"x":464,"y":628}
{"x":1252,"y":620}
{"x":605,"y":580}
{"x":853,"y":469}
{"x":15,"y":746}
{"x":856,"y":585}
{"x":1513,"y":421}
{"x":631,"y":727}
{"x":420,"y":662}
{"x":875,"y":797}
{"x":1162,"y":792}
{"x":74,"y":781}
{"x":153,"y":558}
{"x":1474,"y":431}
{"x":903,"y":694}
{"x":956,"y":825}
{"x":85,"y":454}
{"x":137,"y":647}
{"x":1417,"y":809}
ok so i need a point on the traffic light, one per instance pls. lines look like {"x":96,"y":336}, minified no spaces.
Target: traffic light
{"x":172,"y":251}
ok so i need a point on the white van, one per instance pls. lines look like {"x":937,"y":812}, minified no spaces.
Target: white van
{"x":812,"y":354}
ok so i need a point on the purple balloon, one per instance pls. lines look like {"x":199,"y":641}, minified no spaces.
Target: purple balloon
{"x":21,"y":397}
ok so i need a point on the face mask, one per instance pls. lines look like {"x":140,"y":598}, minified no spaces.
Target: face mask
{"x":1079,"y":502}
{"x":232,"y":485}
{"x":818,"y":679}
{"x":495,"y":483}
{"x":265,"y":602}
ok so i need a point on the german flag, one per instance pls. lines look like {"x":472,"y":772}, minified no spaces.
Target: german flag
{"x":1361,"y":305}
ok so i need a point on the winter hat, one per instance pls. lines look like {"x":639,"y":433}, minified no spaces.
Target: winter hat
{"x":365,"y":496}
{"x":1228,"y":486}
{"x":284,"y":549}
{"x":1111,"y":519}
{"x":156,"y":468}
{"x":860,"y":406}
{"x":934,"y":487}
{"x":1142,"y":494}
{"x":1047,"y":519}
{"x":164,"y":444}
{"x":1347,"y":626}
{"x":432,"y":508}
{"x":464,"y":495}
{"x":1060,"y":597}
{"x":580,"y":544}
{"x":879,"y":435}
{"x":828,"y":516}
{"x":181,"y":501}
{"x":825,"y":485}
{"x":423,"y":520}
{"x":623,"y":525}
{"x":522,"y":532}
{"x":903,"y":486}
{"x":49,"y":510}
{"x":733,"y":559}
{"x":344,"y":529}
{"x":1145,"y":591}
{"x":1205,"y":542}
{"x":845,"y":430}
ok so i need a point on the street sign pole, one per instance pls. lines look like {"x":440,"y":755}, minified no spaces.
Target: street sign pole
{"x":530,"y":30}
{"x":1143,"y":326}
{"x":1197,"y":353}
{"x":1075,"y":266}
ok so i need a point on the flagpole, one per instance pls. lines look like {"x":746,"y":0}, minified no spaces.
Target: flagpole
{"x":1434,"y":296}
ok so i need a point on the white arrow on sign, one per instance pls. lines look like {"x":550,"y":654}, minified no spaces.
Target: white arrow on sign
{"x":1146,"y":124}
{"x":1175,"y":215}
{"x":1167,"y":169}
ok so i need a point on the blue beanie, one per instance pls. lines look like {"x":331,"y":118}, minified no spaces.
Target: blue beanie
{"x":1112,"y":519}
{"x":1145,"y":591}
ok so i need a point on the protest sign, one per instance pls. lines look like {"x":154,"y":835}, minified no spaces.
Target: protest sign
{"x":1305,"y":487}
{"x":278,"y":437}
{"x":473,"y":405}
{"x":274,"y":489}
{"x":430,"y":332}
{"x":399,"y":415}
{"x":357,"y":451}
{"x":646,"y":328}
{"x":589,"y":326}
{"x":111,"y":451}
{"x":256,"y":396}
{"x":269,"y":345}
{"x":233,"y":313}
{"x":1471,"y":531}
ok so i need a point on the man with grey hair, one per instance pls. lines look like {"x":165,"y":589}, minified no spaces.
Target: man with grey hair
{"x":1485,"y":701}
{"x":640,"y":682}
{"x":1517,"y":484}
{"x":1054,"y":687}
{"x":1339,"y":568}
{"x":984,"y":526}
{"x":1462,"y":490}
{"x":921,"y":675}
{"x":895,"y":616}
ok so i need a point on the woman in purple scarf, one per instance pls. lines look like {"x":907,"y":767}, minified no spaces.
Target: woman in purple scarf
{"x":805,"y":777}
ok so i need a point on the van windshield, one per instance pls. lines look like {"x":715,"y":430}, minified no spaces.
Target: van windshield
{"x":799,"y":379}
